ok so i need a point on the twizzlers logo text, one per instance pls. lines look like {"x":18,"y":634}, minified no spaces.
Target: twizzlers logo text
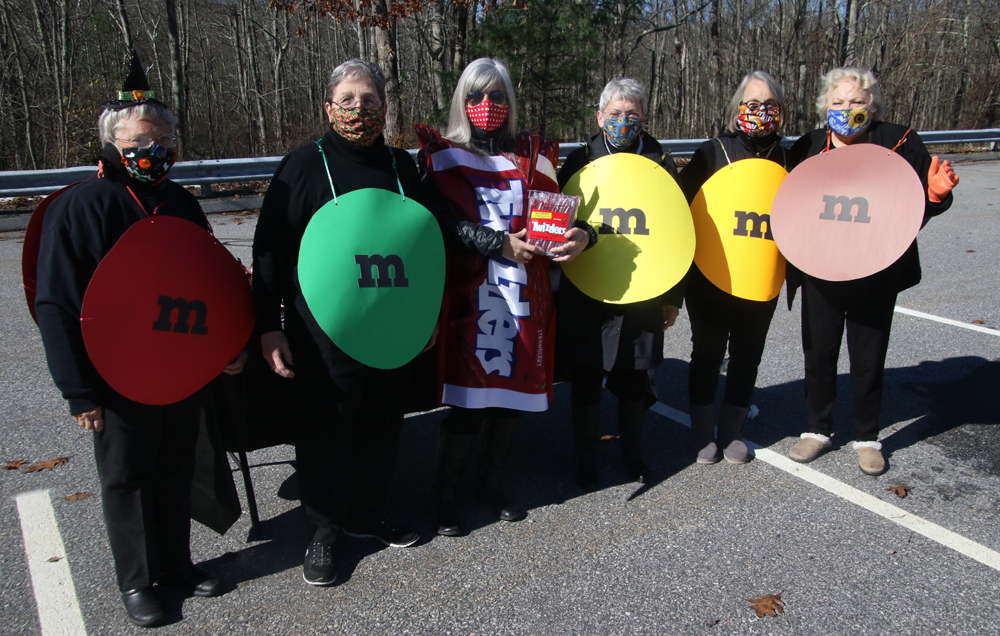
{"x":499,"y":297}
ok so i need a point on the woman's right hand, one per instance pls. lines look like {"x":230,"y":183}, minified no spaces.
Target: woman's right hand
{"x":277,"y":353}
{"x":516,"y":249}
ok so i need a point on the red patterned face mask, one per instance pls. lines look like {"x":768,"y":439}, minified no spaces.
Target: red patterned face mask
{"x":359,"y":125}
{"x":486,"y":115}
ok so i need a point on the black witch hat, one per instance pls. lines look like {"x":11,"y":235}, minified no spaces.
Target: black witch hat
{"x":135,"y":88}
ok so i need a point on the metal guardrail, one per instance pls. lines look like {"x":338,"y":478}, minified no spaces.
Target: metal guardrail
{"x":204,"y":173}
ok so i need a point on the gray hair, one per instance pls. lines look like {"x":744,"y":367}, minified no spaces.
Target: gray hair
{"x":112,"y":119}
{"x":479,"y":75}
{"x":625,"y":89}
{"x":865,"y":80}
{"x":733,"y":110}
{"x":356,"y":69}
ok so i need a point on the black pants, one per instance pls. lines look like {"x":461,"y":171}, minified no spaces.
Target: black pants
{"x":347,"y":442}
{"x":826,"y":309}
{"x":145,"y":461}
{"x":719,"y":319}
{"x":630,"y":384}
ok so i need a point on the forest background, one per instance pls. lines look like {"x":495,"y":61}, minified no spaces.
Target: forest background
{"x":247,"y":77}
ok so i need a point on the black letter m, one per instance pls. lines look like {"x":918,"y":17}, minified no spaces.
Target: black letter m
{"x":382,"y":263}
{"x":184,"y":309}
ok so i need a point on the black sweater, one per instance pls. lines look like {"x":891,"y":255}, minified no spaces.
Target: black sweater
{"x":613,"y":336}
{"x":905,"y":272}
{"x":80,"y":228}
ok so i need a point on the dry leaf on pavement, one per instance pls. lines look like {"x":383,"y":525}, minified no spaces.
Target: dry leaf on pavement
{"x":48,"y":464}
{"x":77,"y":496}
{"x":901,"y":491}
{"x":608,"y":438}
{"x":767,"y":605}
{"x":14,"y":465}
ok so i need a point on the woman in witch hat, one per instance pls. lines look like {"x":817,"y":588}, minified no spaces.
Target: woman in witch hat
{"x":144,"y":454}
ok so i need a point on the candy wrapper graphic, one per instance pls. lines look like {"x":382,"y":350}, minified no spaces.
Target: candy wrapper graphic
{"x":550,"y":216}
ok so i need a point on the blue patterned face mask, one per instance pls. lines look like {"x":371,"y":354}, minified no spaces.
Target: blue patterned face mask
{"x":622,"y":131}
{"x":849,"y":121}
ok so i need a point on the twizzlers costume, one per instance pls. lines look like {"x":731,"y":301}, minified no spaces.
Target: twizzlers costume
{"x":496,"y":343}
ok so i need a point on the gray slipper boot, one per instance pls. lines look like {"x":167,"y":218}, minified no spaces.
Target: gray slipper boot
{"x":703,"y":433}
{"x":731,"y":418}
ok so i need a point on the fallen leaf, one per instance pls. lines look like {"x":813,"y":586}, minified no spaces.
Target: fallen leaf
{"x":237,"y":222}
{"x":970,"y":251}
{"x":978,"y":322}
{"x":54,"y":559}
{"x":767,"y":605}
{"x":901,"y":491}
{"x":713,"y":622}
{"x":608,"y":438}
{"x":236,"y":196}
{"x":14,"y":465}
{"x":891,"y":551}
{"x":77,"y":496}
{"x":48,"y":464}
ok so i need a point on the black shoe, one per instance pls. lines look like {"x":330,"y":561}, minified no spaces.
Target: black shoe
{"x":386,"y":532}
{"x":143,"y":607}
{"x":587,"y":477}
{"x":447,"y":519}
{"x":318,"y":567}
{"x":501,"y":505}
{"x":193,"y":580}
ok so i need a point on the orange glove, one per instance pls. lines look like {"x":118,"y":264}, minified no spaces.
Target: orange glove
{"x":940,"y":180}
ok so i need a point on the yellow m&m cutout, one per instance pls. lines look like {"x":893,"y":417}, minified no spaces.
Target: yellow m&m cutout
{"x":646,"y":236}
{"x":732,"y":220}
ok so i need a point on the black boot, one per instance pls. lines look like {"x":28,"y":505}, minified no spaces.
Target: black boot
{"x":497,"y":438}
{"x":630,"y":417}
{"x":454,"y":444}
{"x":586,"y":419}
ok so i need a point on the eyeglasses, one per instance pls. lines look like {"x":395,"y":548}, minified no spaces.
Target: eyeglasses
{"x":363,"y":102}
{"x":475,"y":98}
{"x":754,"y":106}
{"x":617,"y":114}
{"x":142,"y":141}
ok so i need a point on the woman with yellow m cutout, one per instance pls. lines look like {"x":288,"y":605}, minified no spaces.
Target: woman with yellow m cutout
{"x":754,"y":120}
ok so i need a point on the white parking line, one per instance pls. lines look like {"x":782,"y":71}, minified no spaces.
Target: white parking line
{"x":55,"y":596}
{"x":946,"y":321}
{"x":906,"y":519}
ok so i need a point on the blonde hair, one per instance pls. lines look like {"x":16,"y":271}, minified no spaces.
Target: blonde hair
{"x":865,"y":80}
{"x":478,"y":76}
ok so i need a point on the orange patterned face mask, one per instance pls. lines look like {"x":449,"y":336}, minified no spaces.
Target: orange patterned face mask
{"x":760,"y":122}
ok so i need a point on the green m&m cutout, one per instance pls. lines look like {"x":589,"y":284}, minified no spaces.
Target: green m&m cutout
{"x":371,"y":268}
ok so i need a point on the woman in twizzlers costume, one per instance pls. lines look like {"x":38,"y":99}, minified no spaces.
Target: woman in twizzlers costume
{"x":496,"y":339}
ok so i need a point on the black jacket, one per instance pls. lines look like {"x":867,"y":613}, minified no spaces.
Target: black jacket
{"x":905,"y":272}
{"x":298,"y":189}
{"x":597,"y":334}
{"x":712,"y":155}
{"x":80,"y":228}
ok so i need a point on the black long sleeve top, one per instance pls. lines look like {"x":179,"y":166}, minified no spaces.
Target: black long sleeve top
{"x":905,"y":272}
{"x":80,"y":228}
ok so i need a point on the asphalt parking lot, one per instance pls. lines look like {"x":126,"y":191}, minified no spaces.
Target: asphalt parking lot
{"x":680,"y":555}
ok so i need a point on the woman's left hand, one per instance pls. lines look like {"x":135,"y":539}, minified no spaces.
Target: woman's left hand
{"x":236,"y":366}
{"x":941,"y":179}
{"x":576,"y":242}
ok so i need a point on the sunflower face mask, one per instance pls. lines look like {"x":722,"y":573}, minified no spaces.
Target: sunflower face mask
{"x":848,"y":122}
